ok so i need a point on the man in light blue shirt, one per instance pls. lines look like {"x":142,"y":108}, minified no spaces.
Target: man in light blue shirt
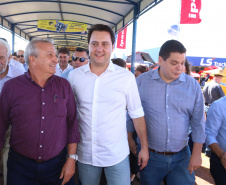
{"x":216,"y":140}
{"x":80,"y":58}
{"x":172,"y":101}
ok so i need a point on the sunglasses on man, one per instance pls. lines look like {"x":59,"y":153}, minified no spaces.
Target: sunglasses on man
{"x":81,"y":59}
{"x":18,"y":56}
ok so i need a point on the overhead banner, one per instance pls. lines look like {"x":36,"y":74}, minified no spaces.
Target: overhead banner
{"x":207,"y":61}
{"x":62,"y":26}
{"x":190,"y":10}
{"x":121,"y":40}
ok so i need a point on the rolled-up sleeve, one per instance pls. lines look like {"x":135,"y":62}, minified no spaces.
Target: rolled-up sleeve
{"x":198,"y":118}
{"x":213,"y":124}
{"x":134,"y":107}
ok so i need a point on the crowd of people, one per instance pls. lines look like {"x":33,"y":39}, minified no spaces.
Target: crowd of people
{"x":98,"y":117}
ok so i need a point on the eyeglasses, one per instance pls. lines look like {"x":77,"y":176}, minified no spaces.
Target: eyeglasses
{"x":18,"y":56}
{"x":81,"y":59}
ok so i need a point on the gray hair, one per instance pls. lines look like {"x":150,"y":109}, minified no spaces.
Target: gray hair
{"x":6,"y":45}
{"x":32,"y":50}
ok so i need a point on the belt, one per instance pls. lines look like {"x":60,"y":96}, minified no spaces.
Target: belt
{"x":165,"y":153}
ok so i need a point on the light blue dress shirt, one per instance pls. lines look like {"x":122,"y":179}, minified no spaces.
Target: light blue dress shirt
{"x":216,"y":123}
{"x":65,"y":75}
{"x":25,"y":66}
{"x":169,"y":110}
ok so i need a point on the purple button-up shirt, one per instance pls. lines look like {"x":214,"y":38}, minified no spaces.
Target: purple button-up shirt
{"x":43,"y":119}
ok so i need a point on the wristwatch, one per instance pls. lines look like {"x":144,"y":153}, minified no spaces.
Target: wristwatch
{"x":72,"y":156}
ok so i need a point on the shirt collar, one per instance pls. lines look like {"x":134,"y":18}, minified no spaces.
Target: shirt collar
{"x":27,"y":74}
{"x":110,"y":67}
{"x":156,"y":75}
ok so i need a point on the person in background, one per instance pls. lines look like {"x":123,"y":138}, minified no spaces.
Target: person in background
{"x":212,"y":90}
{"x":80,"y":58}
{"x":20,"y":58}
{"x":187,"y":67}
{"x":216,"y":140}
{"x":63,"y":58}
{"x":139,"y":70}
{"x":119,"y":62}
{"x":40,"y":134}
{"x":14,"y":56}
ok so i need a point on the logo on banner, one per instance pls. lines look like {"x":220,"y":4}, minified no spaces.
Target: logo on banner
{"x":121,"y":40}
{"x":62,"y":26}
{"x":190,"y":10}
{"x":212,"y":62}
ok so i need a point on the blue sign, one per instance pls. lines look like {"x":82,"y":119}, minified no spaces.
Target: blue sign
{"x":207,"y":61}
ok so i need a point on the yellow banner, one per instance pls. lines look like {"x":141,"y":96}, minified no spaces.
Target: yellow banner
{"x":62,"y":26}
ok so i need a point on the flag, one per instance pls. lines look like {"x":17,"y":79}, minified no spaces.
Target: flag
{"x":121,"y":40}
{"x":190,"y":10}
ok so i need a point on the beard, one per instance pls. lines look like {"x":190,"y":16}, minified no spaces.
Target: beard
{"x":2,"y":68}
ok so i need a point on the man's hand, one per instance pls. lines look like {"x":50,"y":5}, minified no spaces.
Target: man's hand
{"x":143,"y":157}
{"x":68,"y":170}
{"x":196,"y":159}
{"x":132,"y":144}
{"x":141,"y":129}
{"x":223,"y":160}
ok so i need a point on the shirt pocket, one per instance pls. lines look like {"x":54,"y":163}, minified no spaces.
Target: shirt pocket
{"x":56,"y":106}
{"x":60,"y":108}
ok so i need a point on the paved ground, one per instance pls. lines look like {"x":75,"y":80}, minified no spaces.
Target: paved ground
{"x":203,"y":176}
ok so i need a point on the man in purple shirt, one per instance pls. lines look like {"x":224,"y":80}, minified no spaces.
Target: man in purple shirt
{"x":42,"y":111}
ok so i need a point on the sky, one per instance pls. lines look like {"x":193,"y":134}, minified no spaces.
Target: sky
{"x":206,"y":39}
{"x":20,"y":43}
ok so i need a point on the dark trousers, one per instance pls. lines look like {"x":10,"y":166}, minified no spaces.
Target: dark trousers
{"x":25,"y":171}
{"x":217,"y":170}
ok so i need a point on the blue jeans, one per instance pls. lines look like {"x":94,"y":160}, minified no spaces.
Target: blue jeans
{"x":118,"y":174}
{"x":25,"y":171}
{"x":217,"y":170}
{"x":173,"y":167}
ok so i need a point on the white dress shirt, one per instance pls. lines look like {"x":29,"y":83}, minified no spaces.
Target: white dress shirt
{"x":102,"y":103}
{"x":17,"y":65}
{"x":12,"y":72}
{"x":59,"y":71}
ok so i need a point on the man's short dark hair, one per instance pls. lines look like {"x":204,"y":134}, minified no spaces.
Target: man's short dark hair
{"x":64,"y":50}
{"x":78,"y":49}
{"x":171,"y":46}
{"x":14,"y":54}
{"x":119,"y":62}
{"x":101,"y":27}
{"x":142,"y":69}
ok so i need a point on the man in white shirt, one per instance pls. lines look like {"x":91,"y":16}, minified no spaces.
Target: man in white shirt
{"x":63,"y":58}
{"x":104,"y":92}
{"x":7,"y":72}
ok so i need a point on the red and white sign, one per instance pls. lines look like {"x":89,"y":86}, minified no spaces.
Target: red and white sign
{"x":190,"y":10}
{"x":121,"y":40}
